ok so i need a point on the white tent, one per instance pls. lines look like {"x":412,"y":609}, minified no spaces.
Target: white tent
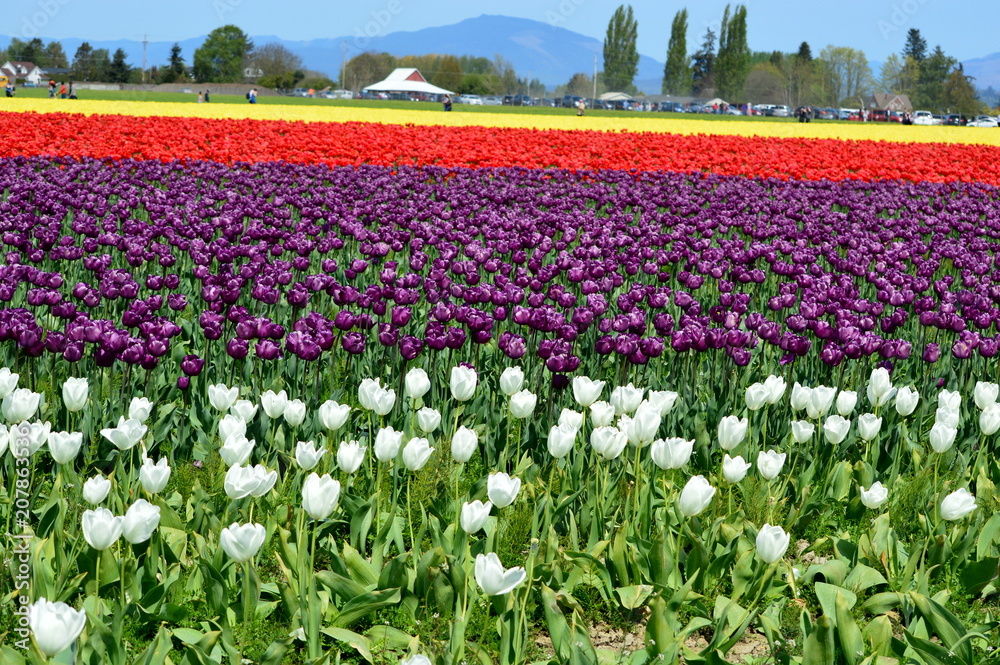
{"x":615,"y":96}
{"x":407,"y":79}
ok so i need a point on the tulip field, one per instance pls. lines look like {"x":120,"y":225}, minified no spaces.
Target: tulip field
{"x":362,"y":387}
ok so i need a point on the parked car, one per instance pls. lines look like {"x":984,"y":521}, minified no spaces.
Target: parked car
{"x":878,"y":115}
{"x":492,"y":100}
{"x":955,"y":119}
{"x":923,"y":118}
{"x":694,"y":108}
{"x":733,"y":110}
{"x":827,"y":114}
{"x":780,"y":111}
{"x":671,"y":107}
{"x":300,"y":92}
{"x":545,"y":101}
{"x":472,"y":100}
{"x":983,"y":121}
{"x":569,"y":101}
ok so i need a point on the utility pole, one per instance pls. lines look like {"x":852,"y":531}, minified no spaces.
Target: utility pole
{"x":595,"y":82}
{"x":343,"y":66}
{"x":145,"y":41}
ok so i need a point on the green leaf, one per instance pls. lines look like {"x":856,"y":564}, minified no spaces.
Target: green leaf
{"x":863,"y":577}
{"x":948,"y":628}
{"x":342,"y":586}
{"x":359,"y":643}
{"x":881,"y":603}
{"x":975,"y":576}
{"x":851,"y":644}
{"x":632,"y":597}
{"x":362,"y":606}
{"x":833,"y":572}
{"x":820,"y":648}
{"x":827,"y":595}
{"x":158,"y":651}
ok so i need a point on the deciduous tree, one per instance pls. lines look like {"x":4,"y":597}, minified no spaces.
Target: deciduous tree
{"x":621,"y":59}
{"x":677,"y":71}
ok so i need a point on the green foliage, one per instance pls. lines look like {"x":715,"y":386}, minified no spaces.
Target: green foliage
{"x":621,"y":59}
{"x":220,"y":57}
{"x":732,"y":64}
{"x":677,"y":71}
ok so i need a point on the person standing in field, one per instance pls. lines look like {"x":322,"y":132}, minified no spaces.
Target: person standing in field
{"x":52,"y":89}
{"x":208,"y":96}
{"x":201,"y":97}
{"x":252,"y":96}
{"x":580,"y":106}
{"x":62,"y":91}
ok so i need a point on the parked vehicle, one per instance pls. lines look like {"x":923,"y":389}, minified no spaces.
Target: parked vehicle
{"x":569,"y":101}
{"x":923,"y":118}
{"x":733,"y":110}
{"x":472,"y":100}
{"x":780,"y":111}
{"x":492,"y":100}
{"x":671,"y":107}
{"x":955,"y":120}
{"x":983,"y":121}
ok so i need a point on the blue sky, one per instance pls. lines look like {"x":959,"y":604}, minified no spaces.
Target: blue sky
{"x":877,"y":27}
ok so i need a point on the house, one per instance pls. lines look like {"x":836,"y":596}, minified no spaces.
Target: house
{"x":408,"y":81}
{"x":29,"y":72}
{"x":890,"y":102}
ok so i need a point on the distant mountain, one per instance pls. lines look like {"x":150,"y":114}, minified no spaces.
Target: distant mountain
{"x":536,"y":49}
{"x":985,"y":70}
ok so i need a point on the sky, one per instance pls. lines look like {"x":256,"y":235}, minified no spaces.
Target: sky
{"x":877,"y":27}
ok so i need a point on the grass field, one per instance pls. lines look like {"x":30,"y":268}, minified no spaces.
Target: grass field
{"x":192,"y":98}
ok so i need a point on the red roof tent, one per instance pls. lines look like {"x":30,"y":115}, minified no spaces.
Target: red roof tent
{"x":416,"y":76}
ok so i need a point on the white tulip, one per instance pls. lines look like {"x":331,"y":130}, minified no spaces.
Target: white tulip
{"x":231,"y":425}
{"x":570,"y":419}
{"x":141,"y":520}
{"x":989,"y":420}
{"x":65,"y":446}
{"x":8,"y":382}
{"x":985,"y":394}
{"x":139,"y":409}
{"x":769,"y":463}
{"x":522,"y":404}
{"x":154,"y":477}
{"x":493,"y":579}
{"x":846,"y":401}
{"x":874,"y":496}
{"x":756,"y":396}
{"x":734,"y":469}
{"x":474,"y":516}
{"x":75,"y":392}
{"x":428,"y":419}
{"x":775,"y":386}
{"x":664,"y":399}
{"x":869,"y":426}
{"x":333,"y":415}
{"x":950,"y":399}
{"x":502,"y":489}
{"x":942,"y":437}
{"x":416,"y":453}
{"x":671,"y":453}
{"x":802,"y":430}
{"x":320,"y":495}
{"x":906,"y":401}
{"x":416,"y":383}
{"x":836,"y":428}
{"x":295,"y":412}
{"x":586,"y":391}
{"x":626,"y":399}
{"x":463,"y":383}
{"x":820,"y":400}
{"x":350,"y":455}
{"x":801,"y":396}
{"x":732,"y":431}
{"x":879,"y":387}
{"x":55,"y":626}
{"x":366,"y":389}
{"x":242,"y":541}
{"x":463,"y":444}
{"x":957,"y":505}
{"x":511,"y":381}
{"x":695,"y":496}
{"x":274,"y":403}
{"x":560,"y":441}
{"x":772,"y":543}
{"x":243,"y":409}
{"x":608,"y":442}
{"x":236,"y":450}
{"x":96,"y":489}
{"x":602,"y":414}
{"x":307,"y":455}
{"x":221,"y":397}
{"x":387,"y":444}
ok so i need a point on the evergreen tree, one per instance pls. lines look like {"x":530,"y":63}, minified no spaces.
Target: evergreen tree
{"x":958,"y":93}
{"x":916,"y":46}
{"x":804,"y":54}
{"x":621,"y":59}
{"x":119,"y":70}
{"x":703,"y":65}
{"x":677,"y":71}
{"x":733,"y":61}
{"x":175,"y":66}
{"x":83,"y":66}
{"x":55,"y":56}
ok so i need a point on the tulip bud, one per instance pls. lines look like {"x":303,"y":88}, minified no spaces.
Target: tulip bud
{"x":236,"y":450}
{"x":54,"y":626}
{"x":846,"y":401}
{"x":141,"y":520}
{"x":756,"y":396}
{"x":387,"y":443}
{"x":242,"y":541}
{"x":222,"y":397}
{"x":65,"y":446}
{"x":672,"y":453}
{"x":734,"y":469}
{"x":154,"y":477}
{"x":463,"y":383}
{"x":663,"y":399}
{"x":602,"y":414}
{"x":775,"y":387}
{"x":626,"y":399}
{"x":333,"y":415}
{"x":522,"y":404}
{"x":608,"y":442}
{"x":879,"y":387}
{"x":428,"y":419}
{"x":801,"y":396}
{"x":350,"y":455}
{"x":139,"y":409}
{"x":416,"y":383}
{"x":416,"y":453}
{"x":989,"y":420}
{"x":696,"y":496}
{"x":75,"y":392}
{"x":906,"y":401}
{"x":101,"y":528}
{"x":957,"y":505}
{"x":307,"y":455}
{"x":493,"y":579}
{"x":732,"y":431}
{"x":274,"y":403}
{"x":869,"y":426}
{"x":96,"y":489}
{"x":835,"y":429}
{"x":463,"y":444}
{"x":942,"y":437}
{"x":560,"y":441}
{"x":874,"y":496}
{"x":295,"y":412}
{"x":586,"y":391}
{"x":243,"y":409}
{"x":985,"y":394}
{"x":502,"y":489}
{"x":769,"y":463}
{"x":474,"y":516}
{"x":772,"y":543}
{"x":802,"y":430}
{"x":511,"y":381}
